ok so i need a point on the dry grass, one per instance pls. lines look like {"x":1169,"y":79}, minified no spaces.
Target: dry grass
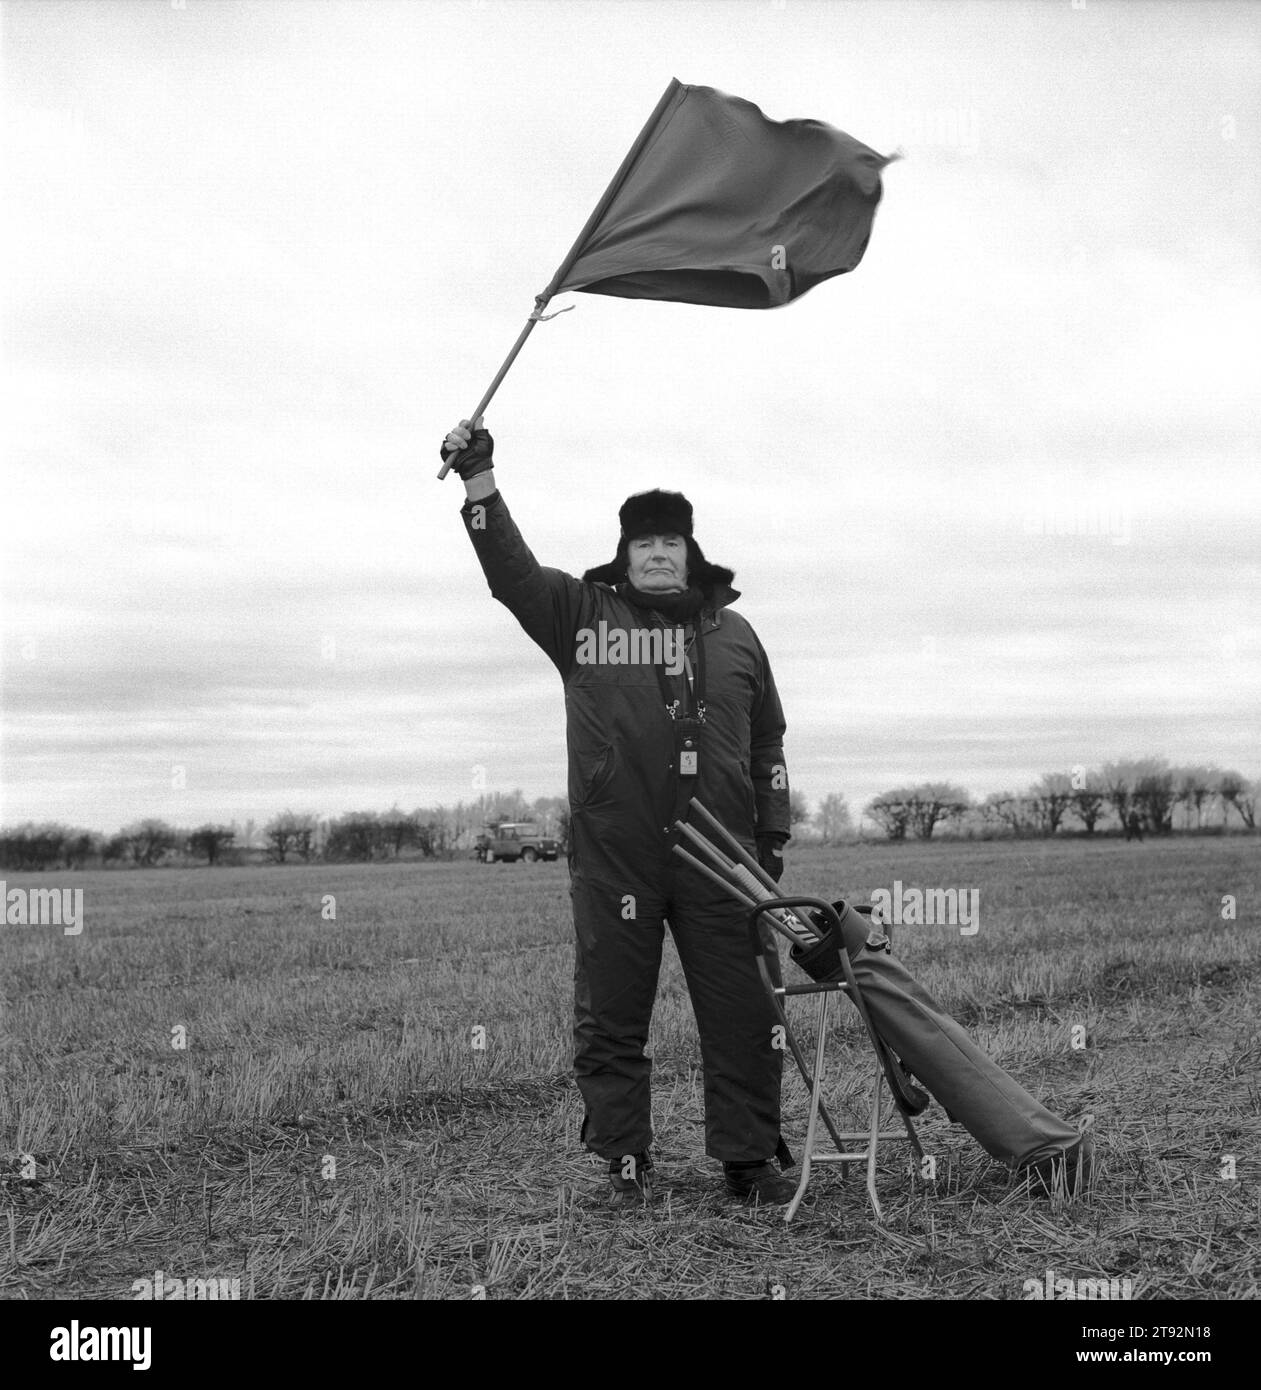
{"x":458,"y":1168}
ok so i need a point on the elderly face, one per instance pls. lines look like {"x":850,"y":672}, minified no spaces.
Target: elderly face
{"x":658,"y":564}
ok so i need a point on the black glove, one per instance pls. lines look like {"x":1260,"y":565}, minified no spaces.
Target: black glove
{"x":770,"y":854}
{"x":477,"y":458}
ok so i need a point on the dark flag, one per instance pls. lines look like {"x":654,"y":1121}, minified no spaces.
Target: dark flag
{"x":716,"y":204}
{"x":722,"y":206}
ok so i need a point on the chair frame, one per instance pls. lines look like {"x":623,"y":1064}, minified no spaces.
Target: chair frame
{"x":884,"y":1076}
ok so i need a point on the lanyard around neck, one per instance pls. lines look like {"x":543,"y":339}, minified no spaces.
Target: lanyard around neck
{"x":695,"y":680}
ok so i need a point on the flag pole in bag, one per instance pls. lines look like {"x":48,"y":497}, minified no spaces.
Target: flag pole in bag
{"x":541,"y":300}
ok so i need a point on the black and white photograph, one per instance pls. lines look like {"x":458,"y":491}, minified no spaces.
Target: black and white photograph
{"x":630,"y":666}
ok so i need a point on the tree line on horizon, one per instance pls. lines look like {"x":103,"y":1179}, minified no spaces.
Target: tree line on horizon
{"x":1138,"y":795}
{"x":289,"y":837}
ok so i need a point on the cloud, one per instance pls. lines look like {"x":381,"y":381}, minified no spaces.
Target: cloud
{"x":990,"y":499}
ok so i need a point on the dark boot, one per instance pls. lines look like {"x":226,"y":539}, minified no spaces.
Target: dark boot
{"x":758,"y":1184}
{"x":631,"y":1177}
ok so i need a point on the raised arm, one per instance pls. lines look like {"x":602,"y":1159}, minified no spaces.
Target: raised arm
{"x":548,"y":603}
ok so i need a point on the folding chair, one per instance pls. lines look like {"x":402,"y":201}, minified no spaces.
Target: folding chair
{"x":907,"y":1099}
{"x":818,"y":948}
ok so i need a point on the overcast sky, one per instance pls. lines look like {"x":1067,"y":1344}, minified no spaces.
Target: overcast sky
{"x":992,"y":500}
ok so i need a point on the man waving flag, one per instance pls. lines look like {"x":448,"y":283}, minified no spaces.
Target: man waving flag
{"x":716,"y":204}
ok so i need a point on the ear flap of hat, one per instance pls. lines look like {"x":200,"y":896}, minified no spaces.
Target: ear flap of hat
{"x":614,"y":573}
{"x":700,"y":571}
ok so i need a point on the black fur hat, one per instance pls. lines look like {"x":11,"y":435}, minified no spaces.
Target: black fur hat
{"x":656,"y":513}
{"x":659,"y":513}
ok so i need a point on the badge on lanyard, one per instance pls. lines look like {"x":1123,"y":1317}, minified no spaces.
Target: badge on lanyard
{"x":687,"y":744}
{"x":687,"y":727}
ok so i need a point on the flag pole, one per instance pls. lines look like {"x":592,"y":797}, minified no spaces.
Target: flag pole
{"x":541,"y":300}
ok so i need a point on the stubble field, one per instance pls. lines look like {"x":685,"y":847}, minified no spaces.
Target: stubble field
{"x":378,"y":1105}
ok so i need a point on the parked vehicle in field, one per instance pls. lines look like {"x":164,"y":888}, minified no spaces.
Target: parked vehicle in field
{"x":514,"y":840}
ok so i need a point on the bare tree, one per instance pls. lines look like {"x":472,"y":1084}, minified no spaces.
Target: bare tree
{"x":1154,"y":794}
{"x":79,"y":847}
{"x":441,"y":827}
{"x":495,"y":808}
{"x":1051,"y":796}
{"x":1235,"y":790}
{"x":1194,"y":785}
{"x":210,"y":841}
{"x":546,"y":812}
{"x":833,"y":819}
{"x":1118,"y":783}
{"x":430,"y":829}
{"x":305,"y":837}
{"x":934,"y":803}
{"x":150,"y":841}
{"x":460,"y":821}
{"x":398,"y":830}
{"x":891,"y":812}
{"x":1088,"y":801}
{"x":358,"y":835}
{"x":33,"y":845}
{"x":115,"y":847}
{"x":290,"y":833}
{"x":1011,"y":810}
{"x":279,"y":836}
